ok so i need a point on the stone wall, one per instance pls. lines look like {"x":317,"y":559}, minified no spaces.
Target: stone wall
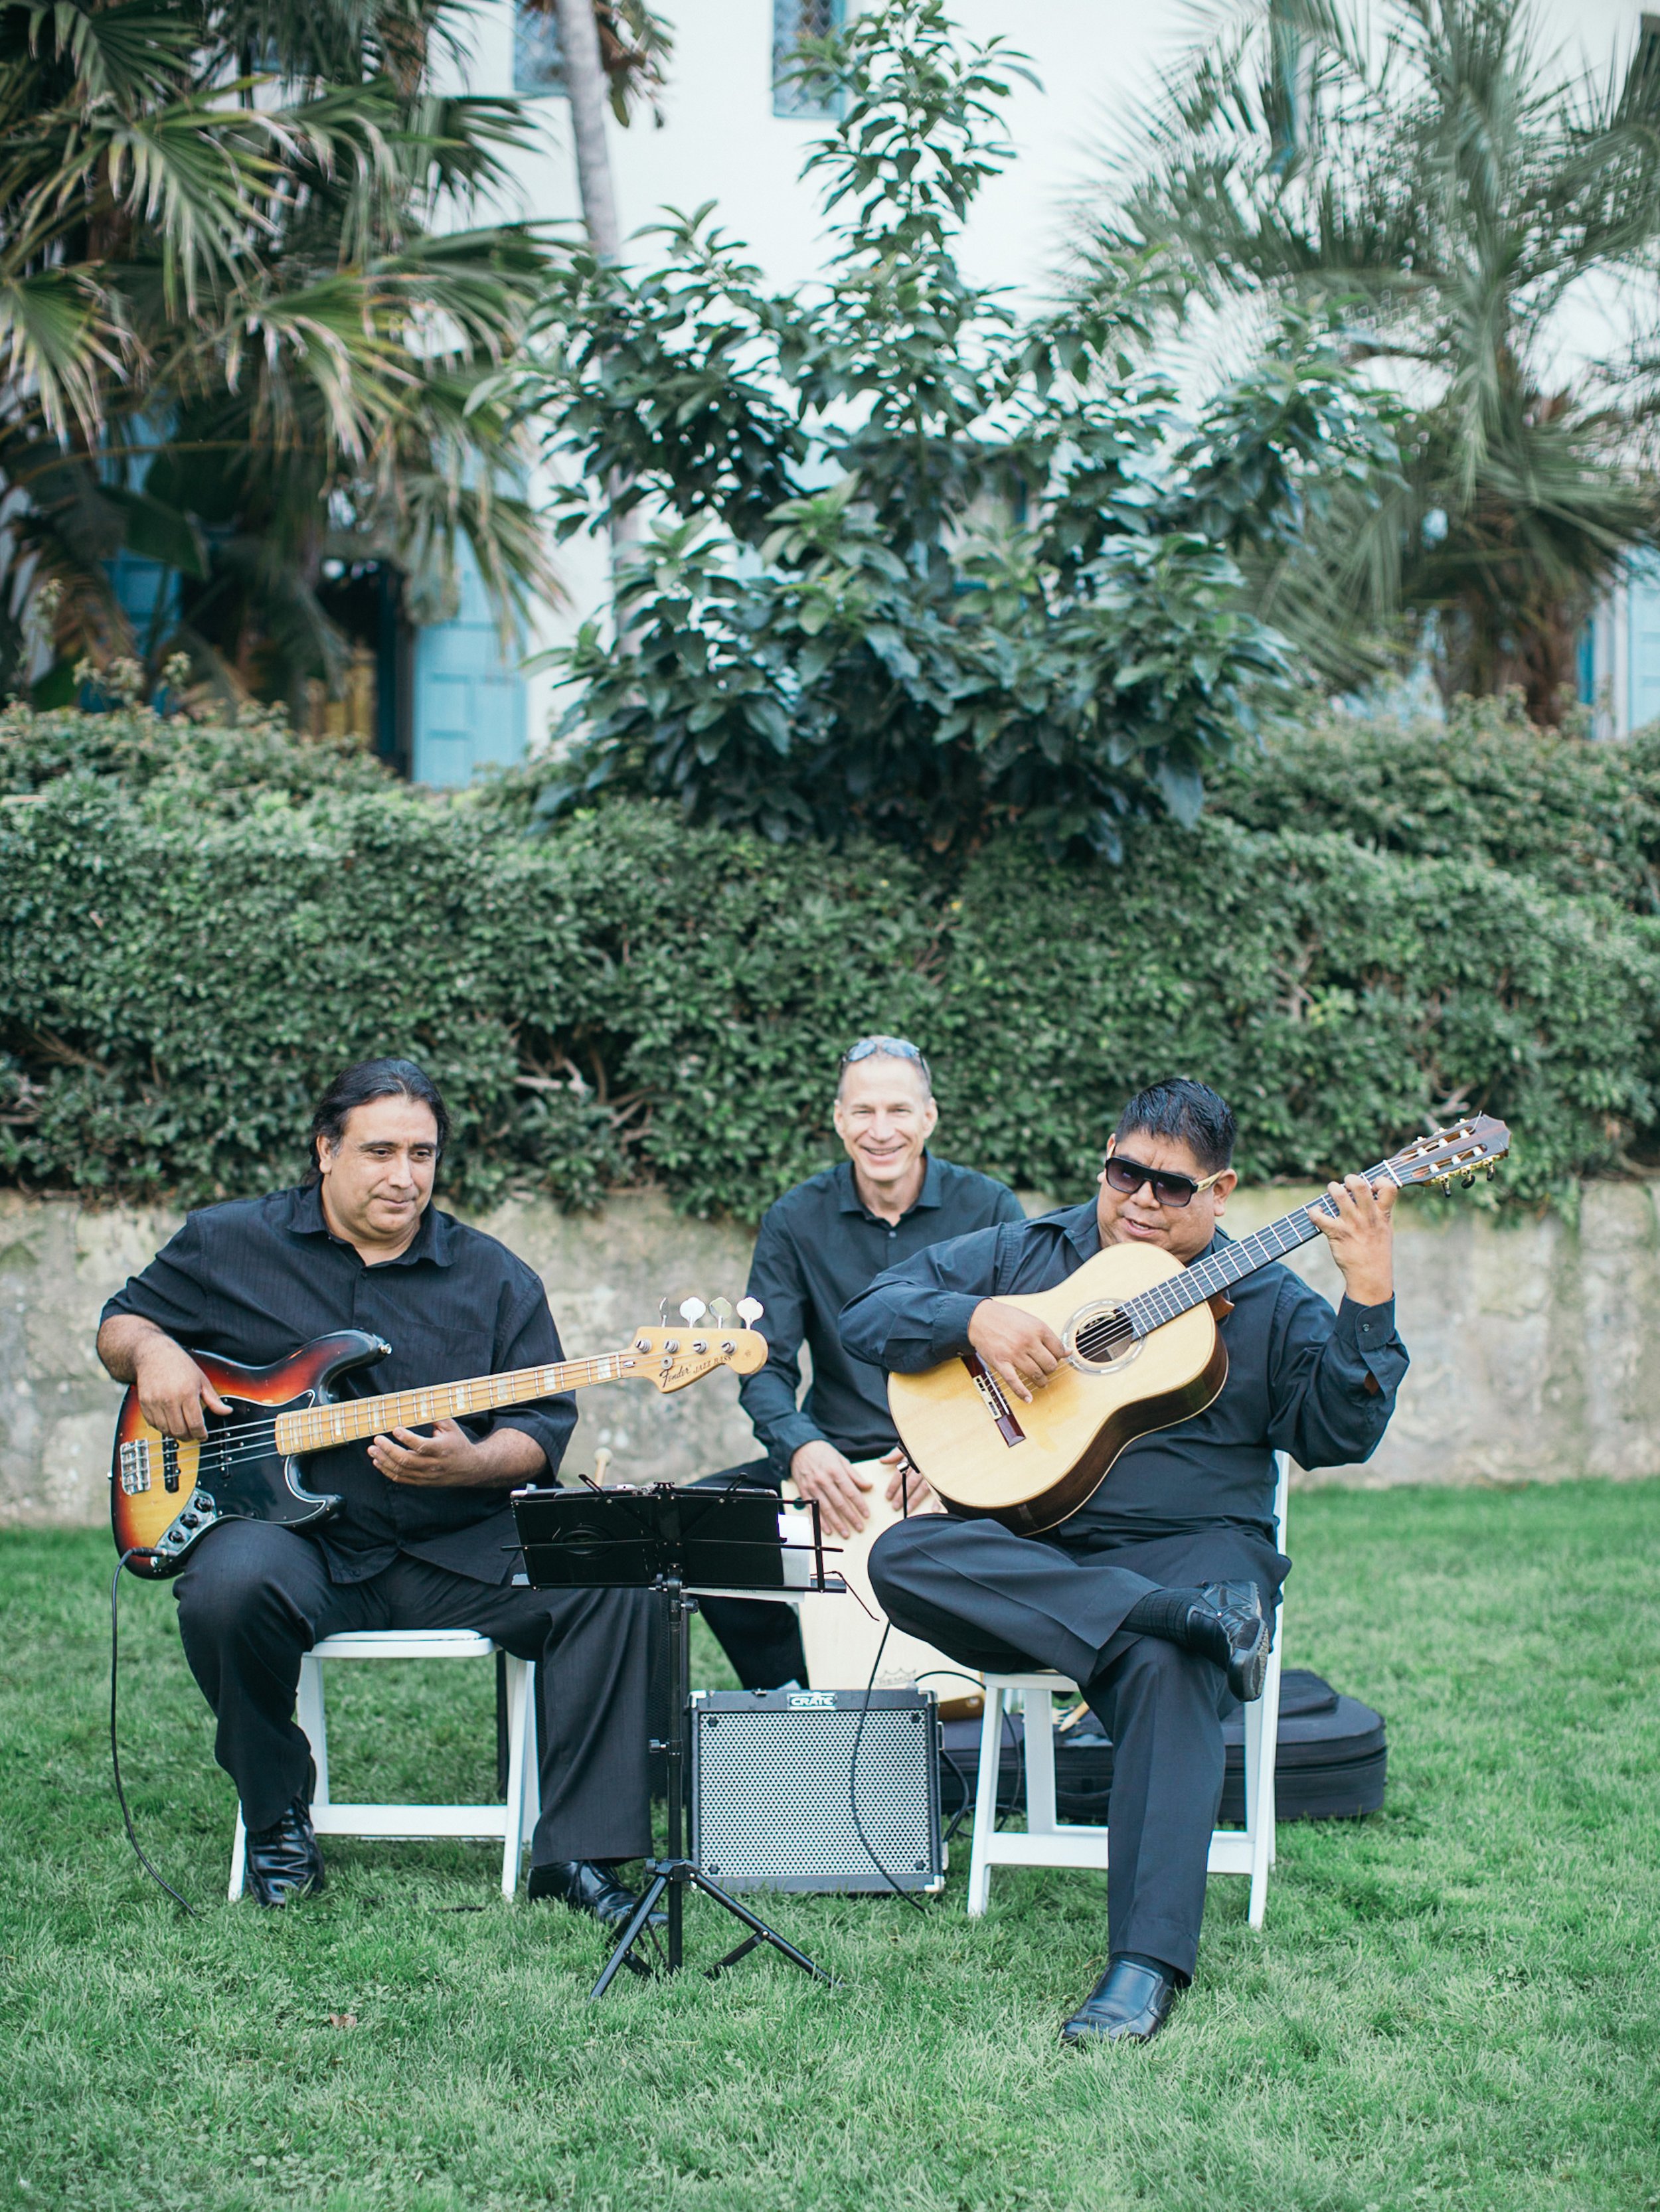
{"x":1531,"y":1341}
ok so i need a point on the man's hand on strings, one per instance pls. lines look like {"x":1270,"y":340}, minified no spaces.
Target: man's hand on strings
{"x":1361,"y":1236}
{"x":448,"y":1458}
{"x":1015,"y":1347}
{"x":172,"y":1390}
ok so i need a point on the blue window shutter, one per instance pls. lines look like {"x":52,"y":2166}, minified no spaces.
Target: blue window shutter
{"x":469,"y":696}
{"x":792,"y":21}
{"x":1643,"y":648}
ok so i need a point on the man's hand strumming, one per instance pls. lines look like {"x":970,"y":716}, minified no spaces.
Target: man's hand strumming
{"x":1016,"y":1347}
{"x":172,"y":1389}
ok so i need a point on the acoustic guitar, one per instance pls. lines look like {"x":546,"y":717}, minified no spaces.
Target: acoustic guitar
{"x":1142,"y":1349}
{"x":165,"y":1494}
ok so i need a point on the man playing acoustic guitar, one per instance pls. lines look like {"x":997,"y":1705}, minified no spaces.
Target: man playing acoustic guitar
{"x":1156,"y":1595}
{"x":424,"y":1538}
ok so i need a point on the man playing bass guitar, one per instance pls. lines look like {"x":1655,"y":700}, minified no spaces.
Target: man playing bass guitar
{"x":1157,"y":1594}
{"x":424,"y":1536}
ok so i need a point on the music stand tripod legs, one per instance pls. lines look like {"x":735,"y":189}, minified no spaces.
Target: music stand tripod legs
{"x":673,"y":1875}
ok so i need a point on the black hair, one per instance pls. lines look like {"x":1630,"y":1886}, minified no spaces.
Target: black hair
{"x":372,"y":1078}
{"x":1189,"y":1114}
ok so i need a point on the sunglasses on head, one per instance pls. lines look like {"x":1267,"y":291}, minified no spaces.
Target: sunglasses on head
{"x":889,"y":1047}
{"x":1126,"y":1176}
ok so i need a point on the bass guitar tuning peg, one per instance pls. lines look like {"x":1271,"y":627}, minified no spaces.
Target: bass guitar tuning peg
{"x":663,"y":1311}
{"x":693,"y":1309}
{"x":750,"y":1312}
{"x":722,"y":1311}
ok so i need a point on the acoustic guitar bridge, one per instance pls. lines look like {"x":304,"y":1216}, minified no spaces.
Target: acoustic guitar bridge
{"x":996,"y":1404}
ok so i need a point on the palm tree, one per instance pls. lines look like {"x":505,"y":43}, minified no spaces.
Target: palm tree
{"x":1435,"y":189}
{"x":238,"y":334}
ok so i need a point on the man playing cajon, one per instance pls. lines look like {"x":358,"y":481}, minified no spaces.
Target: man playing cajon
{"x":819,"y":1245}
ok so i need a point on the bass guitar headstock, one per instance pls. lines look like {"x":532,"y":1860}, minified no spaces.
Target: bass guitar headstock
{"x":715,"y":1335}
{"x":1454,"y":1154}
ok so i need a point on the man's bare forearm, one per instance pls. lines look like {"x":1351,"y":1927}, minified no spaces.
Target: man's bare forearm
{"x":508,"y":1456}
{"x":121,"y":1342}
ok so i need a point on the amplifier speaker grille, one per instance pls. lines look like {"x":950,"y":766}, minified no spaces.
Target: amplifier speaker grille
{"x":771,"y":1807}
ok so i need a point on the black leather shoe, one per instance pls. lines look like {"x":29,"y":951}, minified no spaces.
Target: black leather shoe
{"x":1238,"y":1606}
{"x":590,"y":1886}
{"x":1129,"y":2004}
{"x":283,"y":1860}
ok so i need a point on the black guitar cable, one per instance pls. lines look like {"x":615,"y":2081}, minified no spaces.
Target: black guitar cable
{"x":161,"y":1882}
{"x":915,"y":1904}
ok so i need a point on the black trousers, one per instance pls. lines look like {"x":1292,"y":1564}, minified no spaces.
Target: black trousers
{"x":253,"y":1598}
{"x":761,"y":1638}
{"x":996,"y":1601}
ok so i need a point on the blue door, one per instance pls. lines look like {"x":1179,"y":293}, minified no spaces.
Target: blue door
{"x":1644,"y":642}
{"x":469,"y":698}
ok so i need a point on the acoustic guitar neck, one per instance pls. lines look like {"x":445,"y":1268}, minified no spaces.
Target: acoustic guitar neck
{"x":319,"y":1428}
{"x":1151,"y":1308}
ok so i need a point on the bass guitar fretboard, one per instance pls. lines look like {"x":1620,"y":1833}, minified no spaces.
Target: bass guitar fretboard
{"x":317,"y":1428}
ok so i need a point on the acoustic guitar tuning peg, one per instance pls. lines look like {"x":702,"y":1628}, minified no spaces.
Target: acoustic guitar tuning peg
{"x":722,"y":1311}
{"x":750,"y":1312}
{"x":692,"y":1310}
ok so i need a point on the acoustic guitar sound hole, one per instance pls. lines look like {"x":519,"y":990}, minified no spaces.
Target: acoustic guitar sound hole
{"x":1099,"y":1340}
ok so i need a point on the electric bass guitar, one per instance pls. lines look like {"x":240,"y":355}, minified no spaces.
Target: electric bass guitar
{"x":1142,"y":1353}
{"x":166,"y":1493}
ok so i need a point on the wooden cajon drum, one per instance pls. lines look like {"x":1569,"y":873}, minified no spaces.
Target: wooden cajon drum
{"x":841,"y":1635}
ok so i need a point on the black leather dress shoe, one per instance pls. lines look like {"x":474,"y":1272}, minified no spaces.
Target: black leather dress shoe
{"x":1129,"y":2004}
{"x":590,"y":1886}
{"x":1239,"y":1608}
{"x":283,"y":1860}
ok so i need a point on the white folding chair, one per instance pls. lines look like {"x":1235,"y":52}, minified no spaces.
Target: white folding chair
{"x":512,"y":1821}
{"x":1049,"y":1842}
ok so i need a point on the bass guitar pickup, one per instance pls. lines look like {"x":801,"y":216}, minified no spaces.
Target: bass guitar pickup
{"x":137,"y":1459}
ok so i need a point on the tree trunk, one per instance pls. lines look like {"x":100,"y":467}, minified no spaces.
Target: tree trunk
{"x":584,"y":86}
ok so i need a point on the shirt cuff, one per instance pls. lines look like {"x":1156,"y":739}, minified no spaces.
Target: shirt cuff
{"x":948,"y":1324}
{"x":1366,"y":1338}
{"x":784,"y":1438}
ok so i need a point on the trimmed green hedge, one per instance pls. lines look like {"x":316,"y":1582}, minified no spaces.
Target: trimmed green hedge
{"x":629,"y":998}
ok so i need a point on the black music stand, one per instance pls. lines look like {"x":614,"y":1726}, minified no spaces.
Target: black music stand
{"x":680,"y":1543}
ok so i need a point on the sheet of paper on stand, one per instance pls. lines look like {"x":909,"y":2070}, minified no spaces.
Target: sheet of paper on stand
{"x":801,"y":1560}
{"x":840,"y":1639}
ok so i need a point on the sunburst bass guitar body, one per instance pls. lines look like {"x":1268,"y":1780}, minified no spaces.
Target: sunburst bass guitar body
{"x":973,"y":1438}
{"x":166,"y":1493}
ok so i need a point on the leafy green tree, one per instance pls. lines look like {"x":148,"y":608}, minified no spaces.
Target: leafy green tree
{"x":240,"y":335}
{"x":1426,"y":179}
{"x":914,"y":562}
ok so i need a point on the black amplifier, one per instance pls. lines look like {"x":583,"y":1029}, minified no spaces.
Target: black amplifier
{"x":772,"y":1789}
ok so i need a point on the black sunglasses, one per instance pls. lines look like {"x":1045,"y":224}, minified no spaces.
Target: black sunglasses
{"x":1127,"y":1176}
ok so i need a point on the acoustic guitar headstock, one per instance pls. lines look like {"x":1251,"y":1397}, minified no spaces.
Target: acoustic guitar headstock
{"x":1454,"y":1154}
{"x":708,"y":1335}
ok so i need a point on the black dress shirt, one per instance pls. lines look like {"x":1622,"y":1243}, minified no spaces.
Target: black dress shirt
{"x":819,"y":1246}
{"x":1301,"y":1379}
{"x":255,"y":1279}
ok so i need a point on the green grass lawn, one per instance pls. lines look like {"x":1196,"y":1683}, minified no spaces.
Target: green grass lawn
{"x":1456,"y":2002}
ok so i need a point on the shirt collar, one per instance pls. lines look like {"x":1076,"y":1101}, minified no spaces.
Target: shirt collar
{"x":434,"y":1240}
{"x":1083,"y":1229}
{"x":849,"y":1200}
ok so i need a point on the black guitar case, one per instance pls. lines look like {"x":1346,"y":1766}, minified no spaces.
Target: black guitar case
{"x":1333,"y":1761}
